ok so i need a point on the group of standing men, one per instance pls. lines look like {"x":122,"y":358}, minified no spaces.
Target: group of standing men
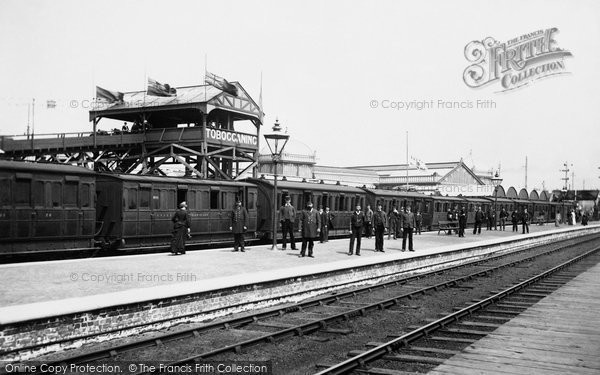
{"x":379,"y":221}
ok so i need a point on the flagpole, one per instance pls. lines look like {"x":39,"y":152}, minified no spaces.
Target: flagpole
{"x":407,"y":160}
{"x":205,"y":63}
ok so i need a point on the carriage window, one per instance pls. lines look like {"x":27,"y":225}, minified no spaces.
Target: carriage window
{"x":225,"y":199}
{"x":4,"y":192}
{"x":426,"y":207}
{"x":145,"y":198}
{"x":23,"y":193}
{"x":342,"y":204}
{"x":155,"y":199}
{"x":251,"y":201}
{"x":214,"y":199}
{"x":132,"y":201}
{"x":85,"y":195}
{"x":56,"y":189}
{"x":70,"y":193}
{"x":167,"y":198}
{"x":39,"y":194}
{"x":191,"y":199}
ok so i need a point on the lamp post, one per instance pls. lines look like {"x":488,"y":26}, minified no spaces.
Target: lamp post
{"x":496,"y":181}
{"x":276,"y":142}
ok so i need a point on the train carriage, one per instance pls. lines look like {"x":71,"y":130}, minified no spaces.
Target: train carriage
{"x":45,"y":207}
{"x":340,"y":199}
{"x":136,"y":211}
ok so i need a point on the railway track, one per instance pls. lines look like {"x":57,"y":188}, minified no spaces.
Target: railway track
{"x":327,"y":311}
{"x":423,"y":348}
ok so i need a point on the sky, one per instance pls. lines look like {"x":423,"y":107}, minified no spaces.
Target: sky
{"x":331,"y":71}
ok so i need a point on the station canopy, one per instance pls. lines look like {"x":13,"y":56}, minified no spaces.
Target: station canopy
{"x":186,"y":107}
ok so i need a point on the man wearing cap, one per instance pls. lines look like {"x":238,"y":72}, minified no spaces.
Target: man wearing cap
{"x":287,"y":217}
{"x":380,"y":221}
{"x":239,"y":225}
{"x":408,"y":224}
{"x":181,"y":229}
{"x":310,"y":226}
{"x":357,"y":221}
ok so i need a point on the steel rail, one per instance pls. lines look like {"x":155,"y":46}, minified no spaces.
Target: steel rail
{"x":378,"y":352}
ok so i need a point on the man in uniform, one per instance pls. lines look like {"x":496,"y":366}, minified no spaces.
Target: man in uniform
{"x":525,"y":220}
{"x":368,"y":221}
{"x":515,"y":220}
{"x":357,"y":221}
{"x":380,"y":225}
{"x":418,"y":221}
{"x":310,"y":226}
{"x":326,"y":224}
{"x":407,"y":219}
{"x":239,"y":225}
{"x":287,"y":217}
{"x":478,"y":220}
{"x":462,"y":222}
{"x":503,"y":217}
{"x":181,"y":229}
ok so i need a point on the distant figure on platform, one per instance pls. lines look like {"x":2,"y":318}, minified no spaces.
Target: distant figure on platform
{"x":125,"y":128}
{"x":584,"y":218}
{"x":380,"y":225}
{"x":181,"y":229}
{"x":408,"y":224}
{"x":310,"y":226}
{"x":573,"y":217}
{"x":478,"y":221}
{"x":542,"y":218}
{"x":418,"y":222}
{"x":357,"y":221}
{"x":450,"y":218}
{"x":493,"y":219}
{"x":368,"y":221}
{"x":326,"y":224}
{"x":462,"y":222}
{"x":514,"y":217}
{"x":239,"y":225}
{"x":503,"y":217}
{"x":557,"y":219}
{"x":488,"y":217}
{"x":287,"y":217}
{"x":525,"y":221}
{"x":394,"y":218}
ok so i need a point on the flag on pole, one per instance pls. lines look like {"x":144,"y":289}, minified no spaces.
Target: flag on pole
{"x":109,"y":96}
{"x":156,"y":88}
{"x":50,"y":104}
{"x":418,"y":163}
{"x":220,"y":83}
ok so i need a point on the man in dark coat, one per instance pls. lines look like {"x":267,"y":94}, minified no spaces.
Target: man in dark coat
{"x":368,"y":221}
{"x":380,"y":224}
{"x":450,"y":217}
{"x":239,"y":225}
{"x":462,"y":222}
{"x":503,"y":217}
{"x":287,"y":217}
{"x":181,"y":229}
{"x":479,"y":217}
{"x":357,"y":221}
{"x":310,"y":226}
{"x":393,"y":220}
{"x":408,"y":223}
{"x":515,"y":220}
{"x":525,"y":221}
{"x":418,"y":221}
{"x":326,"y":224}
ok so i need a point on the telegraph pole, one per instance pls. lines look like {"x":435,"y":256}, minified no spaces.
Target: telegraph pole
{"x":566,"y":178}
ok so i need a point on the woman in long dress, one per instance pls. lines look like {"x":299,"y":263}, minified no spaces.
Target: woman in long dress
{"x":181,"y":229}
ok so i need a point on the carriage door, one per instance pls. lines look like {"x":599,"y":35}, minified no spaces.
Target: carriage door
{"x":182,"y":194}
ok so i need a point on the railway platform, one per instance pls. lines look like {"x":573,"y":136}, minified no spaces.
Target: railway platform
{"x":68,"y":300}
{"x":558,"y":335}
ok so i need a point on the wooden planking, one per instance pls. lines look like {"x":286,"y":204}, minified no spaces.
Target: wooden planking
{"x":558,"y":335}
